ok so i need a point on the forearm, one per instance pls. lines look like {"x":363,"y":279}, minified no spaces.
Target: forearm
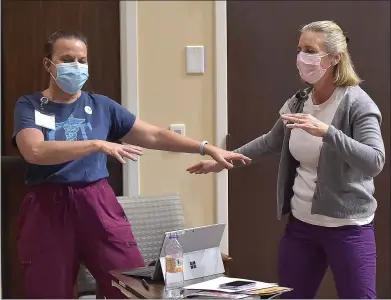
{"x":167,"y":140}
{"x":255,"y":149}
{"x":58,"y":152}
{"x":269,"y":143}
{"x":152,"y":137}
{"x":367,"y":158}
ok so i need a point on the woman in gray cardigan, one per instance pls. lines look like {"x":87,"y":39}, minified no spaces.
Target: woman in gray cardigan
{"x":331,"y":148}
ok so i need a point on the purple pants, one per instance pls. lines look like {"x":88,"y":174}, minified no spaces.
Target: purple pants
{"x":61,"y":226}
{"x":307,"y":250}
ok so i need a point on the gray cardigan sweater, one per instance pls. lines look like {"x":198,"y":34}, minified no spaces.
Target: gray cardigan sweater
{"x":351,"y":155}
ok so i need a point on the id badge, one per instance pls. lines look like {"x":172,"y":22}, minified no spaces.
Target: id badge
{"x":45,"y":120}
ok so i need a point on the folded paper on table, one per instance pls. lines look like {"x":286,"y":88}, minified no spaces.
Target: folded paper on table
{"x":269,"y":291}
{"x":215,"y":295}
{"x":214,"y":285}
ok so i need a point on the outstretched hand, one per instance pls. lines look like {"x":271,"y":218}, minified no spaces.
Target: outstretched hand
{"x":225,"y":157}
{"x":205,"y":167}
{"x":120,"y":151}
{"x":222,"y":160}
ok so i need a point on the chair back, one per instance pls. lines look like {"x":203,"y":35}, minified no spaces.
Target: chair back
{"x":150,"y":218}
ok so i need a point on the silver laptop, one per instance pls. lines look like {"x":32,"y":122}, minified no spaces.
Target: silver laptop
{"x":201,"y":254}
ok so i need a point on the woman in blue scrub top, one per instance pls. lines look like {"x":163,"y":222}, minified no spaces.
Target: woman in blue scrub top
{"x":70,"y":214}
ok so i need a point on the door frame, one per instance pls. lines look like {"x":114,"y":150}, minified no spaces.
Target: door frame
{"x":221,"y":117}
{"x":129,"y":99}
{"x":129,"y":86}
{"x":1,"y":146}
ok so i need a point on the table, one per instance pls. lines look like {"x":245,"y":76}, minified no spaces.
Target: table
{"x":132,"y":287}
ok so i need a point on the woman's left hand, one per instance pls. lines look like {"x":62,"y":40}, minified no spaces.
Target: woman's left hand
{"x":306,"y":122}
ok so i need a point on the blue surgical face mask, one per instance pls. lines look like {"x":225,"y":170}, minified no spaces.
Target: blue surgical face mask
{"x":71,"y":76}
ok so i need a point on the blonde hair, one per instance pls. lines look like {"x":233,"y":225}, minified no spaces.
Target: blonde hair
{"x":336,"y":43}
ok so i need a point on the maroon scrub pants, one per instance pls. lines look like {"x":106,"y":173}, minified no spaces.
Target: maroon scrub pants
{"x":61,"y":226}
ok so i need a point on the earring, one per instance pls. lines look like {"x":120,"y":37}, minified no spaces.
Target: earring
{"x":337,"y":75}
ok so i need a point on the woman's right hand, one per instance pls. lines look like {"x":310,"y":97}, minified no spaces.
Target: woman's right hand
{"x":205,"y":167}
{"x":120,"y":151}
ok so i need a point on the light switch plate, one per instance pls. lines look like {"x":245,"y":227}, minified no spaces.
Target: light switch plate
{"x":195,"y":59}
{"x":178,"y":128}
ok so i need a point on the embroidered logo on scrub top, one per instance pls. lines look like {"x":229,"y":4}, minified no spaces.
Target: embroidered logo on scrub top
{"x":71,"y":128}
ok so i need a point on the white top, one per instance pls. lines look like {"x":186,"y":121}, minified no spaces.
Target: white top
{"x":305,"y":148}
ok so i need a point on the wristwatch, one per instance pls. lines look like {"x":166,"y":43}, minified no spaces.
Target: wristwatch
{"x":202,"y":147}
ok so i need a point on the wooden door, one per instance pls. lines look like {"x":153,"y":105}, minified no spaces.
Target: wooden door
{"x":25,"y":27}
{"x":262,"y":75}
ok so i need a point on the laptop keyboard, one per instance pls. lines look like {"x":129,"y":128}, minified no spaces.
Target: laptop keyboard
{"x":142,"y":272}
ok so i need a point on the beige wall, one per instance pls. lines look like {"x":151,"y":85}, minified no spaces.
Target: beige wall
{"x":167,"y":95}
